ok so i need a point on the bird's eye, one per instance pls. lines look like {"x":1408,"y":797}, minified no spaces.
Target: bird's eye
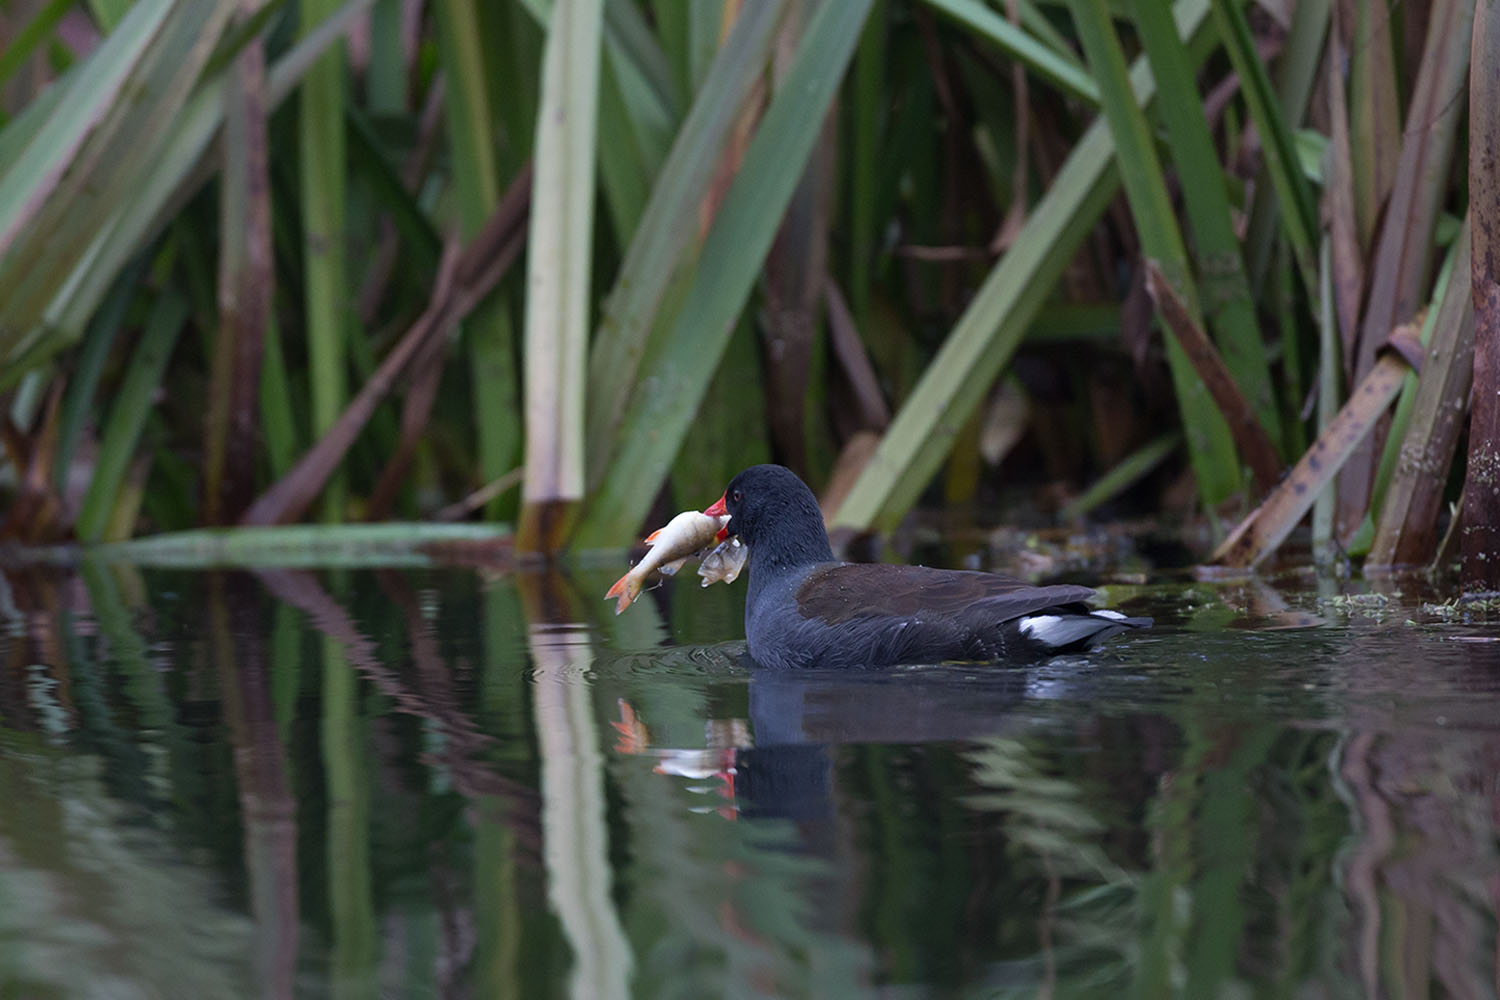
{"x":738,"y":496}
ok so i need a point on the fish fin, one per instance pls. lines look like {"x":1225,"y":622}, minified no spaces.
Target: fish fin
{"x":651,"y":538}
{"x":625,"y":591}
{"x":671,"y":568}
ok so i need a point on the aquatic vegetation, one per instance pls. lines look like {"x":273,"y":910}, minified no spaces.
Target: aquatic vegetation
{"x":253,"y":272}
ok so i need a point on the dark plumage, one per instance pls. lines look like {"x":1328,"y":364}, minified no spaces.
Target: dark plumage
{"x":804,"y":609}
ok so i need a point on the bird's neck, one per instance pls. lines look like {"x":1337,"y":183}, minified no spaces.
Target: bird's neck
{"x":788,"y":548}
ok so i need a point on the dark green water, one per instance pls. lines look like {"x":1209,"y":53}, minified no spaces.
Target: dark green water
{"x":425,"y":784}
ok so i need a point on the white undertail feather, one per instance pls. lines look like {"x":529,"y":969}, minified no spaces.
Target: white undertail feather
{"x":1056,"y":631}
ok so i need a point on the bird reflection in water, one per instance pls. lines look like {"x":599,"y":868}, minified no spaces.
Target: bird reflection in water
{"x":779,"y":761}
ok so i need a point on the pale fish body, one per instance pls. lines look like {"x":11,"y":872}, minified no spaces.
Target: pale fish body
{"x":724,"y":562}
{"x":684,"y":535}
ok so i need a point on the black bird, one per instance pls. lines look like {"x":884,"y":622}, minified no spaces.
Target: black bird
{"x":805,"y":609}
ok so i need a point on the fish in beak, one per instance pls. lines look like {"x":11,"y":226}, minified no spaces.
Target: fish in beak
{"x":720,"y":509}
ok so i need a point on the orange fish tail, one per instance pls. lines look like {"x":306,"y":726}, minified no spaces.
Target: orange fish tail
{"x":624,"y":591}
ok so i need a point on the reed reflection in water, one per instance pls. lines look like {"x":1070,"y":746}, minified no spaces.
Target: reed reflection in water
{"x":446,"y":783}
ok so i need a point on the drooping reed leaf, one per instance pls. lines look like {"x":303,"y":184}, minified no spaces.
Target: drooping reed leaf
{"x":993,"y":325}
{"x":557,"y":276}
{"x":664,"y":402}
{"x":1046,"y":62}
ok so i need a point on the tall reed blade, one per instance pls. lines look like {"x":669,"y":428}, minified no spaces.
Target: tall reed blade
{"x":1407,"y":531}
{"x":321,"y":131}
{"x":246,"y":286}
{"x":557,"y":275}
{"x":667,"y":228}
{"x":1481,"y":513}
{"x":1399,"y":277}
{"x":664,"y":402}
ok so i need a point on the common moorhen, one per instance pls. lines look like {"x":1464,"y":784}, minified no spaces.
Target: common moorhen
{"x":806,"y":610}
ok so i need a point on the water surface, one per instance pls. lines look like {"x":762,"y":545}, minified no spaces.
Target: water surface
{"x":448,"y":784}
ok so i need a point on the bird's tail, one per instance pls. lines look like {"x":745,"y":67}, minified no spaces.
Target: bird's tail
{"x":1062,"y":632}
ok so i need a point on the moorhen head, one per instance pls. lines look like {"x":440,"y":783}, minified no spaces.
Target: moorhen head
{"x":804,"y":609}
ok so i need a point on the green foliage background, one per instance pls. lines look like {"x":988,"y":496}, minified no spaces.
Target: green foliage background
{"x":268,"y":261}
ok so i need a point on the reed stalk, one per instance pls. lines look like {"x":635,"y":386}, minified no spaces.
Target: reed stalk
{"x":557,"y":276}
{"x":322,"y":166}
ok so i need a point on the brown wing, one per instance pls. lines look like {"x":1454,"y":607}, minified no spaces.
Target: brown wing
{"x":849,"y":591}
